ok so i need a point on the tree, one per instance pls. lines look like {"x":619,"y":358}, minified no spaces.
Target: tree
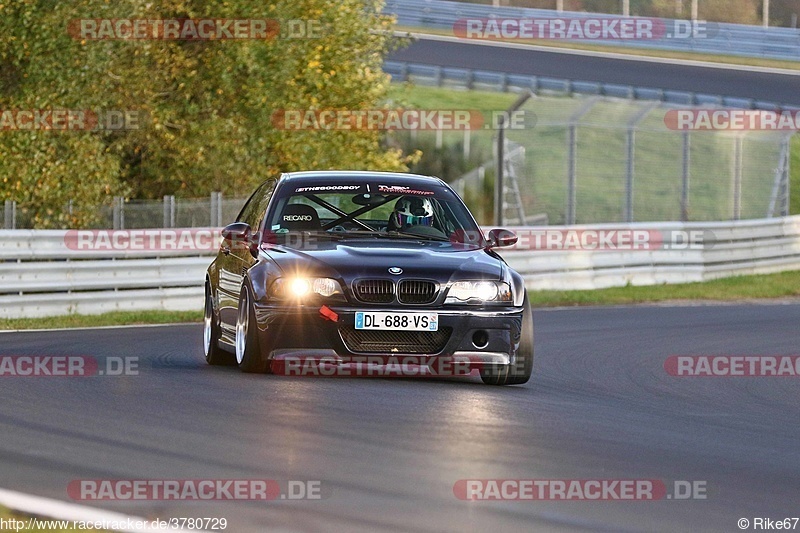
{"x":205,"y":106}
{"x":57,"y":177}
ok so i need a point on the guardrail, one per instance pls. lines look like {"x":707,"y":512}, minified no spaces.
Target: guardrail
{"x":42,"y":274}
{"x":431,"y":75}
{"x":722,"y":38}
{"x":728,"y":249}
{"x":45,"y":273}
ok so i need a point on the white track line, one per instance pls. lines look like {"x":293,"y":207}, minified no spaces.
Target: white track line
{"x":607,"y":55}
{"x":59,"y":510}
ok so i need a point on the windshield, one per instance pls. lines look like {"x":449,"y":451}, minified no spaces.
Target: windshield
{"x":358,"y":211}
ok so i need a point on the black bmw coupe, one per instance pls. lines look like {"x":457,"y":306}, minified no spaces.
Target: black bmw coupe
{"x":353,"y":266}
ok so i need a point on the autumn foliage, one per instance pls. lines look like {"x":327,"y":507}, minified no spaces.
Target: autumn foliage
{"x":204,"y":107}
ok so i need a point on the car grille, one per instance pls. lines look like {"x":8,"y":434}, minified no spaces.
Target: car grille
{"x":389,"y":342}
{"x":374,"y":291}
{"x":413,"y":291}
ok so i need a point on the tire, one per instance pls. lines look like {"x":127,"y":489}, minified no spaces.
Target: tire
{"x":213,"y":353}
{"x":520,"y":371}
{"x":249,"y":355}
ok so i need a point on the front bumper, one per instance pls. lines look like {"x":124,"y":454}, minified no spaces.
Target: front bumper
{"x":302,"y":331}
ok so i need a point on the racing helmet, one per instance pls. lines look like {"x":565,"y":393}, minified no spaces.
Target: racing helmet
{"x":412,"y":211}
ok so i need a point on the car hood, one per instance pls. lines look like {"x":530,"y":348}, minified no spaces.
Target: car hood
{"x":349,"y":260}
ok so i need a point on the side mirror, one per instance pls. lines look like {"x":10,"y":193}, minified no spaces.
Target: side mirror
{"x":236,"y":231}
{"x":238,"y":236}
{"x":499,"y":238}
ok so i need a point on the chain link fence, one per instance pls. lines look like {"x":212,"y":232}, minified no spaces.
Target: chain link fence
{"x":583,"y":160}
{"x":171,"y":212}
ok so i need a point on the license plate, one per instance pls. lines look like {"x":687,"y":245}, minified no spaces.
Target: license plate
{"x":398,"y":321}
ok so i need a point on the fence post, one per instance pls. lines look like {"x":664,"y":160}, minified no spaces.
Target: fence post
{"x":212,"y":219}
{"x":216,"y":210}
{"x":786,"y":174}
{"x":119,"y":213}
{"x":630,"y":143}
{"x":10,"y":214}
{"x":687,"y":144}
{"x":737,"y":178}
{"x":169,"y":211}
{"x":572,"y":171}
{"x":498,"y":178}
{"x":467,"y":141}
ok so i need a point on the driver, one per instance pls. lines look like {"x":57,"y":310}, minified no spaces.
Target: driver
{"x":411,"y":211}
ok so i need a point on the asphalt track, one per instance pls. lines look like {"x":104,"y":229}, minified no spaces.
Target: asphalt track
{"x":771,"y":87}
{"x":388,"y":451}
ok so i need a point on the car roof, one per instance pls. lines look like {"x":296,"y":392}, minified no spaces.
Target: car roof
{"x":359,"y":176}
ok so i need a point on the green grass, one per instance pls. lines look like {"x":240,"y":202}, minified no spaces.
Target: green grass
{"x":118,"y":318}
{"x":449,"y":98}
{"x":769,"y":286}
{"x":694,"y":56}
{"x":7,"y":514}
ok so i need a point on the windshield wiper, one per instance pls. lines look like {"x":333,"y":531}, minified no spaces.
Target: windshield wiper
{"x":406,"y":235}
{"x":339,"y":235}
{"x":356,"y":233}
{"x":336,"y":236}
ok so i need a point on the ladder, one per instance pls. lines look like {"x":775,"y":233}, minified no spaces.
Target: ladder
{"x":512,"y":198}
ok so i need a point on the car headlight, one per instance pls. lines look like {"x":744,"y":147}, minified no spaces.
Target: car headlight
{"x":478,"y":292}
{"x":298,"y":288}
